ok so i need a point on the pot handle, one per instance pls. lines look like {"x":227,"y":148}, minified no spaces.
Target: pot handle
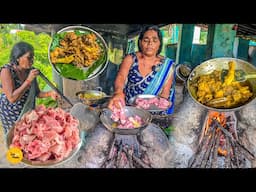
{"x":104,"y":111}
{"x":98,"y":89}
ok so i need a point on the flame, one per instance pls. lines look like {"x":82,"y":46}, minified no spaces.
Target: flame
{"x":219,"y":116}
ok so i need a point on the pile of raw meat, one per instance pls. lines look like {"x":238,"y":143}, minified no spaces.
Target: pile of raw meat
{"x":152,"y":103}
{"x":46,"y":134}
{"x":123,"y":121}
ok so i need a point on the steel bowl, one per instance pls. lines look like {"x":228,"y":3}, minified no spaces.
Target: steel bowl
{"x":49,"y":163}
{"x":209,"y":66}
{"x":146,"y":97}
{"x":182,"y":72}
{"x":106,"y":120}
{"x":100,"y":97}
{"x":101,"y":63}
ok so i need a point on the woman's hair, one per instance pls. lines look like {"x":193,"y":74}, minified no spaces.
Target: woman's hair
{"x":159,"y":34}
{"x":18,"y":50}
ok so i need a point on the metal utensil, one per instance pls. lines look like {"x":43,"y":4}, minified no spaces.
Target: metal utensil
{"x":129,"y":111}
{"x":100,"y":97}
{"x":240,"y":75}
{"x":54,"y":88}
{"x":218,"y":64}
{"x":48,"y":163}
{"x":152,"y":108}
{"x":95,"y":69}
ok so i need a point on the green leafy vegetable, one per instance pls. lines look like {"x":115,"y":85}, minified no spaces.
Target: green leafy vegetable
{"x":56,"y":40}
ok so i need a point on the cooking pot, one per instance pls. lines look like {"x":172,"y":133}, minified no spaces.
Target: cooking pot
{"x":129,"y":111}
{"x":209,"y":66}
{"x":93,"y":97}
{"x":182,"y":72}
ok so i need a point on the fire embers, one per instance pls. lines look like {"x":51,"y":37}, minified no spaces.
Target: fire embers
{"x":219,"y":145}
{"x":126,"y":152}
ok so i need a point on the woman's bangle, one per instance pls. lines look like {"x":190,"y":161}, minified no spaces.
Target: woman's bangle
{"x":28,"y":82}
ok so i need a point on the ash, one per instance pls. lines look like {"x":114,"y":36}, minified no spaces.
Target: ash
{"x":187,"y":122}
{"x":104,"y":149}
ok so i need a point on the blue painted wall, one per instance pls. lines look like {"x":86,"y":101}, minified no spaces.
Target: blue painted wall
{"x":242,"y":50}
{"x":185,"y":44}
{"x":198,"y":54}
{"x":252,"y":55}
{"x":223,"y":40}
{"x":170,"y":51}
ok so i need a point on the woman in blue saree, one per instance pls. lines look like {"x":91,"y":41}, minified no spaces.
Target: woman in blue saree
{"x":145,"y":72}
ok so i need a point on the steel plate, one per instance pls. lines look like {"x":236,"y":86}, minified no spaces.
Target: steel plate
{"x":101,"y":63}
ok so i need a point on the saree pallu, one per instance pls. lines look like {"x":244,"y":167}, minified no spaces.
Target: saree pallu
{"x":164,"y":73}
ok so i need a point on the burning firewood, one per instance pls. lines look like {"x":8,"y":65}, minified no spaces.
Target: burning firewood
{"x":126,"y":153}
{"x":222,"y":152}
{"x":219,"y":140}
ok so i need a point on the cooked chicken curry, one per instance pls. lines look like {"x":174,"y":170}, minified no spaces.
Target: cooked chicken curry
{"x":227,"y":94}
{"x":80,"y":50}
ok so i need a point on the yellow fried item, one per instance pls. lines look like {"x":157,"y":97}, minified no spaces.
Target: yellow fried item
{"x":231,"y":73}
{"x":80,"y":50}
{"x":67,"y":59}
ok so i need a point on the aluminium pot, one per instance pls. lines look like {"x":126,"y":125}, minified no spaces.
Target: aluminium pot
{"x":129,"y":111}
{"x":209,"y":66}
{"x":98,"y":97}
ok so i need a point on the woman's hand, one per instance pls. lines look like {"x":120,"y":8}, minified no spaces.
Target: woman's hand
{"x":116,"y":100}
{"x":54,"y":95}
{"x":32,"y":74}
{"x":165,"y":102}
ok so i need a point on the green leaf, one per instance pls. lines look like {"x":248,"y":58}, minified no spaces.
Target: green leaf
{"x":78,"y":32}
{"x":95,"y":65}
{"x":56,"y":40}
{"x":70,"y":71}
{"x":169,"y":129}
{"x":48,"y":102}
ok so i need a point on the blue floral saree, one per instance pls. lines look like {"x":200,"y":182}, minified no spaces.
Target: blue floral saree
{"x":153,"y":83}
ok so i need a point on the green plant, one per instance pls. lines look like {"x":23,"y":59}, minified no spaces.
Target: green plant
{"x":169,"y":130}
{"x":40,"y":42}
